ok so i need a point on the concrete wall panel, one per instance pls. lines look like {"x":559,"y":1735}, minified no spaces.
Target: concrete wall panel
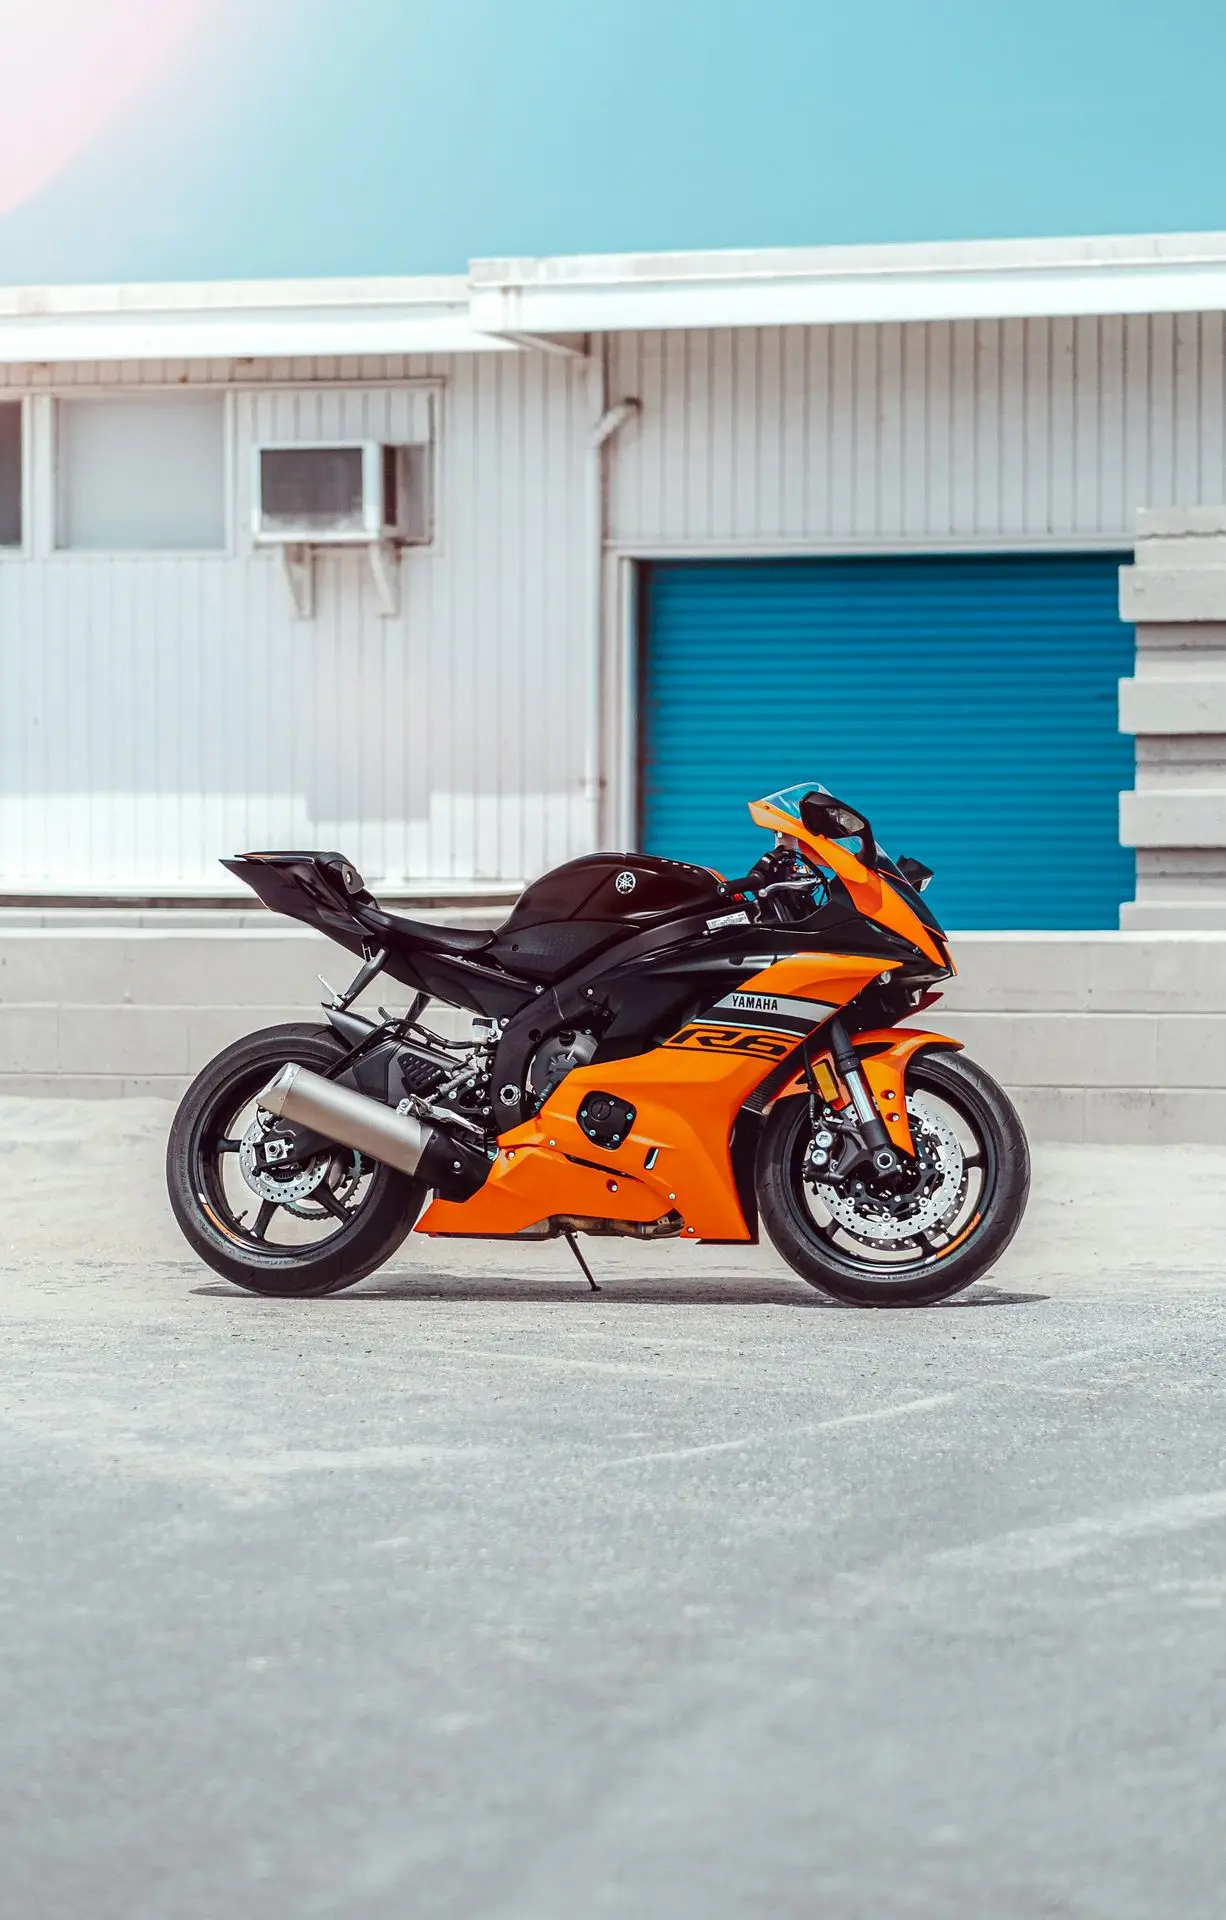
{"x":1178,"y":706}
{"x":1174,"y":818}
{"x":1098,"y":1036}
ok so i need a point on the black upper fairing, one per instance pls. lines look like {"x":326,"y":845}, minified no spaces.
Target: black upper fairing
{"x":912,"y":895}
{"x":631,"y":964}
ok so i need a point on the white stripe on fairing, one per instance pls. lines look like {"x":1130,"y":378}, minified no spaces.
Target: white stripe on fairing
{"x":747,"y":1002}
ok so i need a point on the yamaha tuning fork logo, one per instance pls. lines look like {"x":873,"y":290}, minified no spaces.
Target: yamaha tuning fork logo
{"x":625,"y":882}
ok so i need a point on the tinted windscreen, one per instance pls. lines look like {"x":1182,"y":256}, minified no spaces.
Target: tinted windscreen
{"x":788,"y":799}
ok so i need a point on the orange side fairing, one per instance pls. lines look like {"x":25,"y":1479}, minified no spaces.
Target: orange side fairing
{"x":686,"y":1095}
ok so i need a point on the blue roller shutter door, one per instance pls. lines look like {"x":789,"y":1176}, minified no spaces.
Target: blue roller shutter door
{"x":967,"y":704}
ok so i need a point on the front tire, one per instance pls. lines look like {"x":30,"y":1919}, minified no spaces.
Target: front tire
{"x":337,"y":1220}
{"x":855,"y":1250}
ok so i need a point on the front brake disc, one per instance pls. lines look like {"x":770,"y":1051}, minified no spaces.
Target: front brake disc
{"x":872,"y":1220}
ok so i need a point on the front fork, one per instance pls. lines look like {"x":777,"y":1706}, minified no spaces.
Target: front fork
{"x":873,"y":1131}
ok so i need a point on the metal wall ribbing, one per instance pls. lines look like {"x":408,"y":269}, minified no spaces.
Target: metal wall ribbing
{"x":946,"y":434}
{"x":159,"y":710}
{"x":156,"y":711}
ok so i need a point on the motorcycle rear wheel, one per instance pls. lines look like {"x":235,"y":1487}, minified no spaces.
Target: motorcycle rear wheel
{"x":348,"y":1222}
{"x":864,"y":1258}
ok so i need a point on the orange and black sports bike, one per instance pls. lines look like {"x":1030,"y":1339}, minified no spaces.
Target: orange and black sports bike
{"x":654,"y":1051}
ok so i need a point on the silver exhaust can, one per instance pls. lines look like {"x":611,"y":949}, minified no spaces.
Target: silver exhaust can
{"x":351,"y":1119}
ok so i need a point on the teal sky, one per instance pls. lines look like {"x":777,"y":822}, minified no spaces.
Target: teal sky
{"x":402,"y":136}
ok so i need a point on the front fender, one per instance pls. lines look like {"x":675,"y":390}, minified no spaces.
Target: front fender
{"x":885,"y":1054}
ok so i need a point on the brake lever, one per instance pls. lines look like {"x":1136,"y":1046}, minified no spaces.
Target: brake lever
{"x":805,"y":885}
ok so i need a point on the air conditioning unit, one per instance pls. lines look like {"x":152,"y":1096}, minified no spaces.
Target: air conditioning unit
{"x":308,"y":494}
{"x":339,"y":493}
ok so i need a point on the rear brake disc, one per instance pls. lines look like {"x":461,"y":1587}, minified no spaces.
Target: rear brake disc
{"x":292,"y":1187}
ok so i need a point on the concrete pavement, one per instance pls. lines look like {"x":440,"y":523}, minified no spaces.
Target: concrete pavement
{"x":473,"y":1594}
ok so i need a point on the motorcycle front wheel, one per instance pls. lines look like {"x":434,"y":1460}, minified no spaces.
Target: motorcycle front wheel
{"x":930,"y":1237}
{"x":302,"y":1230}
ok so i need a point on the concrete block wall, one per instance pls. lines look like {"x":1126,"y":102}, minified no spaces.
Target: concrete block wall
{"x":1098,"y":1036}
{"x":1175,"y":593}
{"x":114,"y":1010}
{"x":107,"y":1003}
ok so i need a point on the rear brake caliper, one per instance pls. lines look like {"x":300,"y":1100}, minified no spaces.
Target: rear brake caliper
{"x":269,"y":1163}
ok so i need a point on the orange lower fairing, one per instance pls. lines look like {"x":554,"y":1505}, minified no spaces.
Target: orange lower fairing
{"x":686,"y":1095}
{"x":685,"y":1101}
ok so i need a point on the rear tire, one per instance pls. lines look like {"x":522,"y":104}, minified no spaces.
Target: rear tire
{"x":203,"y":1203}
{"x":919,"y":1275}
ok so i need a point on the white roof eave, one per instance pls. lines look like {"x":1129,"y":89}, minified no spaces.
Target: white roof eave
{"x":258,"y":320}
{"x":1164,"y":273}
{"x":554,"y":304}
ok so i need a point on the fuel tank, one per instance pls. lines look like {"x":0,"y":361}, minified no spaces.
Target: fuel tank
{"x":589,"y":903}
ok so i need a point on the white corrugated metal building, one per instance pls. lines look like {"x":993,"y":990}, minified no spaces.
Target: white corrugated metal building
{"x":599,"y":437}
{"x":161,"y":701}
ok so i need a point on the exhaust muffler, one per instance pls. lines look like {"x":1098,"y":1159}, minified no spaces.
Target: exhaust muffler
{"x":354,"y":1120}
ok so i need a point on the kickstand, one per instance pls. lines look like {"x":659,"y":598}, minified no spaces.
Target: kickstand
{"x":573,"y":1244}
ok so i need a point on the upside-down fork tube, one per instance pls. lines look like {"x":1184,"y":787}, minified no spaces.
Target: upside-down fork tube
{"x":873,"y":1129}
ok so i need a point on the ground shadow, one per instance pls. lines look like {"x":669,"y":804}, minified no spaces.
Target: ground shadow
{"x":623,"y":1292}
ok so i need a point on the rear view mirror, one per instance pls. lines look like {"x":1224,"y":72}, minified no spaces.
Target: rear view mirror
{"x":913,"y":871}
{"x":822,"y":813}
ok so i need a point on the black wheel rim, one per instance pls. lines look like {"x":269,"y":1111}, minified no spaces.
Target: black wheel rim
{"x":296,"y":1225}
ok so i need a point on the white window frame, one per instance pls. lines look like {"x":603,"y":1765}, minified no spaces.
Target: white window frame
{"x":40,"y":486}
{"x":54,"y":500}
{"x":24,"y":548}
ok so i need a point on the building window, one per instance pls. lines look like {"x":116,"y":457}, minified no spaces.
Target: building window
{"x":10,"y":473}
{"x":142,"y":474}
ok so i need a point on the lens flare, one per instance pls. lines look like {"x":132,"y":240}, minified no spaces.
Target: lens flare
{"x":70,"y":66}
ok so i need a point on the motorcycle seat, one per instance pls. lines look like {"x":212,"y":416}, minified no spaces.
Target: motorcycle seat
{"x":425,"y":935}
